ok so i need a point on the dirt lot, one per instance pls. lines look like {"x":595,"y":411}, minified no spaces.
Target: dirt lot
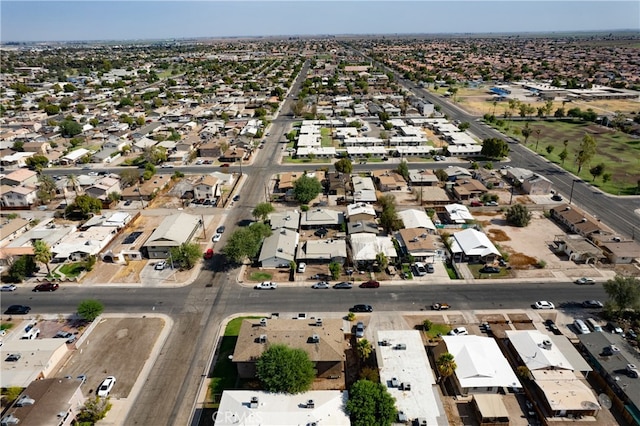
{"x":116,"y":347}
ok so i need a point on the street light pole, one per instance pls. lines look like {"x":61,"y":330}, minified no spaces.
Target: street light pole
{"x":571,"y":194}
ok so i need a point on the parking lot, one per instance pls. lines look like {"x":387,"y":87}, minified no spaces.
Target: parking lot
{"x":115,"y":347}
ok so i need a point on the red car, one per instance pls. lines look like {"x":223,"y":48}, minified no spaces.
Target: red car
{"x":208,"y":254}
{"x":46,"y":287}
{"x":370,"y":284}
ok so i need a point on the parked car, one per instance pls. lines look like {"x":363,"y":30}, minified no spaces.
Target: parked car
{"x":8,"y":287}
{"x":614,"y":328}
{"x":321,"y":285}
{"x":13,"y":358}
{"x":208,"y":254}
{"x":458,"y":331}
{"x":632,"y":371}
{"x":17,"y":310}
{"x":556,"y":197}
{"x":236,"y":197}
{"x":370,"y":284}
{"x":224,"y":165}
{"x":221,"y":229}
{"x":360,"y":329}
{"x":543,"y":304}
{"x":343,"y":285}
{"x":585,"y":280}
{"x":490,"y":270}
{"x":430,"y":268}
{"x":491,"y":203}
{"x":552,"y":326}
{"x":302,"y":267}
{"x":476,"y":204}
{"x":160,"y":265}
{"x":46,"y":287}
{"x":420,"y":269}
{"x":592,"y":304}
{"x":63,"y":335}
{"x":216,"y":238}
{"x":266,"y":285}
{"x":440,"y":306}
{"x":106,"y":386}
{"x":361,"y":308}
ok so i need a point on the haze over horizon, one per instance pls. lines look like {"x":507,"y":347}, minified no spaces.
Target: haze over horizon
{"x":30,"y":21}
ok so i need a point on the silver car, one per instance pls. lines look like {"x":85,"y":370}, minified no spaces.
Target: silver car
{"x":360,"y":329}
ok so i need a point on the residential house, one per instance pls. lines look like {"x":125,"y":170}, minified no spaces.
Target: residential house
{"x":433,"y":197}
{"x":578,"y":248}
{"x":103,"y":187}
{"x":360,"y":212}
{"x":279,"y":248}
{"x":338,"y":183}
{"x":417,"y":218}
{"x":418,"y":243}
{"x":233,"y":154}
{"x":143,"y":143}
{"x":80,"y":245}
{"x":16,"y":159}
{"x":18,"y":196}
{"x":146,"y":190}
{"x":473,"y":246}
{"x":360,"y":226}
{"x":278,"y":409}
{"x":20,"y":177}
{"x":489,"y":178}
{"x":74,"y":156}
{"x":456,"y":172}
{"x":468,"y":189}
{"x":105,"y":155}
{"x":207,"y":188}
{"x":458,"y":213}
{"x":209,"y":149}
{"x":323,"y":251}
{"x":481,"y":366}
{"x":289,"y":219}
{"x":537,"y":185}
{"x":621,"y":252}
{"x":364,"y":189}
{"x":576,"y":220}
{"x":12,"y":228}
{"x":321,"y":218}
{"x":174,"y":230}
{"x":53,"y":401}
{"x":389,"y":181}
{"x":422,"y":178}
{"x":40,"y":148}
{"x":38,"y":360}
{"x":365,"y":248}
{"x":286,"y":180}
{"x":323,"y":340}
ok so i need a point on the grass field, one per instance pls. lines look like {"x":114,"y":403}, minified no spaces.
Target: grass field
{"x":619,"y":152}
{"x":260,"y":276}
{"x":327,"y":140}
{"x":72,"y":270}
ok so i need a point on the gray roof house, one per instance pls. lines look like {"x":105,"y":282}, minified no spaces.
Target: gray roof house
{"x":279,"y":248}
{"x":323,"y":251}
{"x":319,"y":217}
{"x":173,"y":231}
{"x":289,"y":219}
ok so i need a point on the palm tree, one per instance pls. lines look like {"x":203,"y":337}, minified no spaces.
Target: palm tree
{"x":42,"y":253}
{"x":446,"y":365}
{"x":364,"y":349}
{"x":73,"y":180}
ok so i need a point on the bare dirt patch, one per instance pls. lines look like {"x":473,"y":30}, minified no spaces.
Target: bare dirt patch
{"x":498,"y":235}
{"x":521,"y":260}
{"x":116,"y":347}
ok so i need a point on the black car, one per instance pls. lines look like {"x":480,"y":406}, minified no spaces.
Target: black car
{"x":552,"y":326}
{"x":361,"y":308}
{"x":343,"y":285}
{"x":490,"y":270}
{"x":236,"y":197}
{"x":17,"y":309}
{"x":220,"y":229}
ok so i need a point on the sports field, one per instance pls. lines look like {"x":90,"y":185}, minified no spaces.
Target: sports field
{"x":619,"y":152}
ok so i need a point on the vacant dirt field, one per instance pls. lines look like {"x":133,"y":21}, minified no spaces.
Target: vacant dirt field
{"x":116,"y":347}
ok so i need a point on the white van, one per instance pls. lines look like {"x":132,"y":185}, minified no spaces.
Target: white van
{"x":593,"y":325}
{"x":581,"y":327}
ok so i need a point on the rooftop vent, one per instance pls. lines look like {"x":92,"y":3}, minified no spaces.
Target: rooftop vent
{"x":263,"y":322}
{"x":311,"y":404}
{"x":262,"y":338}
{"x":319,"y":322}
{"x":10,"y":420}
{"x":546,"y":344}
{"x":24,"y":401}
{"x":254,"y":402}
{"x":315,"y":339}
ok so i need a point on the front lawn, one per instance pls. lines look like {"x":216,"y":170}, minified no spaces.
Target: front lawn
{"x":475,"y":270}
{"x":437,"y":330}
{"x":260,"y":276}
{"x":72,"y":270}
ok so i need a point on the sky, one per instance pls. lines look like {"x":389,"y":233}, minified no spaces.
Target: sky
{"x":27,"y":20}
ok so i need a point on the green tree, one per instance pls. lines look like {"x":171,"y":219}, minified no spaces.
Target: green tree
{"x":262,"y":211}
{"x":94,"y":409}
{"x":245,"y":242}
{"x":623,"y":292}
{"x":382,"y":261}
{"x":284,"y":369}
{"x":42,"y":253}
{"x":550,"y":149}
{"x":446,"y":365}
{"x":606,"y":177}
{"x":344,"y":165}
{"x":37,"y":162}
{"x":129,"y":177}
{"x":114,"y":196}
{"x":80,"y":109}
{"x":70,"y":128}
{"x":526,"y":132}
{"x":21,"y":268}
{"x":370,"y":404}
{"x":364,"y":349}
{"x":51,"y":109}
{"x":586,"y":152}
{"x":518,"y":215}
{"x":10,"y":394}
{"x":155,"y":154}
{"x":334,"y":268}
{"x":46,"y":188}
{"x":389,"y":219}
{"x":403,"y":170}
{"x":18,"y":146}
{"x":83,"y":206}
{"x":186,"y":255}
{"x":306,"y":188}
{"x":464,"y":126}
{"x":494,"y":148}
{"x":596,"y":171}
{"x":90,"y":309}
{"x":563,"y":155}
{"x":441,"y":175}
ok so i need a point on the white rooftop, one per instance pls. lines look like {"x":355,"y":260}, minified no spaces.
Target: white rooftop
{"x":480,"y":362}
{"x":458,"y":213}
{"x":534,"y":353}
{"x":282,"y":409}
{"x":415,"y":218}
{"x":472,"y":243}
{"x":410,"y":365}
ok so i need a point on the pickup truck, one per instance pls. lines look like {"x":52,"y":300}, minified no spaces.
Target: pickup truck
{"x":266,"y":285}
{"x":440,"y":306}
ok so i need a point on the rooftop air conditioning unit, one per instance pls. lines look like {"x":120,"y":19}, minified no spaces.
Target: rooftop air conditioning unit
{"x":24,"y":401}
{"x":315,"y":339}
{"x":319,"y":322}
{"x":546,"y":344}
{"x":310,"y":404}
{"x":262,"y":338}
{"x":254,"y":402}
{"x":263,"y":322}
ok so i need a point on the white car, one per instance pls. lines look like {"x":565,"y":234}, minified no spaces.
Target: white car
{"x":216,"y":238}
{"x":266,"y":285}
{"x":321,"y":284}
{"x":302,"y":267}
{"x":458,"y":331}
{"x":106,"y":386}
{"x":543,"y":304}
{"x":585,"y":280}
{"x":160,"y":265}
{"x":8,"y":287}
